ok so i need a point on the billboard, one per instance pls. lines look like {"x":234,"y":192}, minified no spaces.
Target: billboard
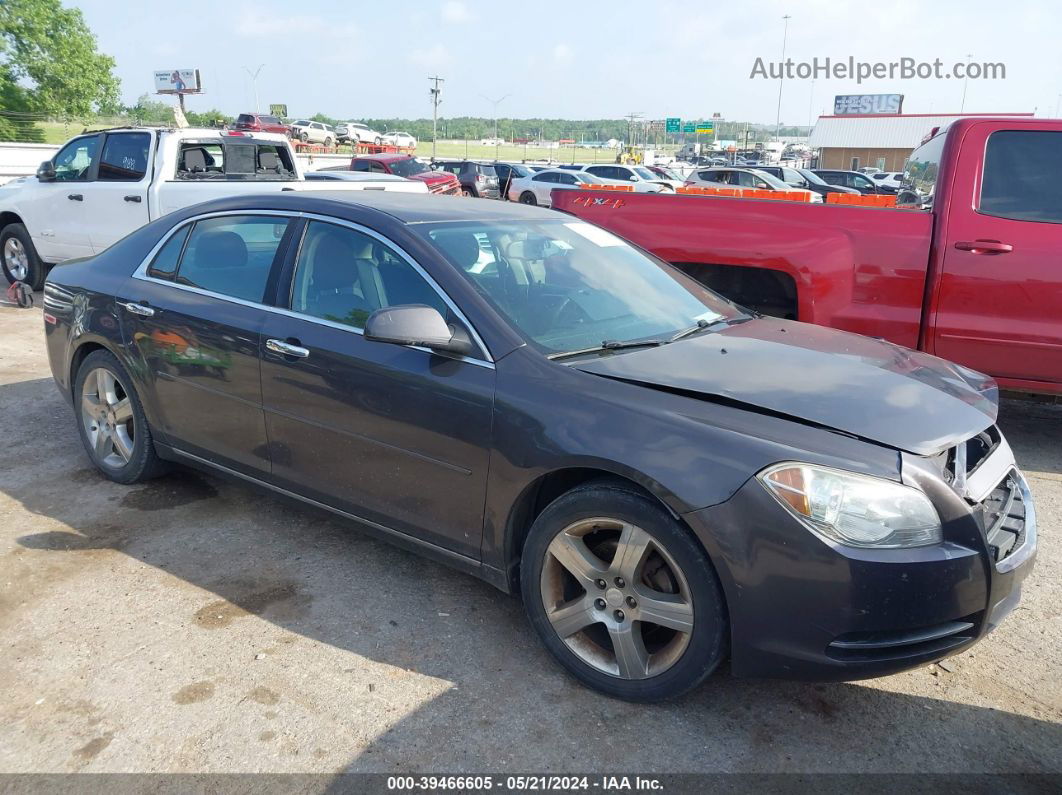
{"x":848,"y":104}
{"x":281,"y":111}
{"x":177,"y":81}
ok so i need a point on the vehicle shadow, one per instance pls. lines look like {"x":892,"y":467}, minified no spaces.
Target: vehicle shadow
{"x":497,"y":702}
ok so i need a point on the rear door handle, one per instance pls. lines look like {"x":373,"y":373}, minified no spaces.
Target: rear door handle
{"x":75,"y":197}
{"x":287,"y":349}
{"x":984,"y":246}
{"x":137,"y":309}
{"x":133,"y":199}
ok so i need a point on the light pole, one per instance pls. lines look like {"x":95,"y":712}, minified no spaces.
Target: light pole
{"x":495,"y":103}
{"x":781,"y":76}
{"x":254,"y":83}
{"x":435,"y":100}
{"x":965,"y":80}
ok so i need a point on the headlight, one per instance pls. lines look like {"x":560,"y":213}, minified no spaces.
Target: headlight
{"x":854,"y":510}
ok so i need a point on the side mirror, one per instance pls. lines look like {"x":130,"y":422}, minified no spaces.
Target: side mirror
{"x":416,"y":324}
{"x":46,"y":171}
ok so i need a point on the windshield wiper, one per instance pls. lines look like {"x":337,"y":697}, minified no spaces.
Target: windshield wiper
{"x":609,"y":345}
{"x":701,"y":324}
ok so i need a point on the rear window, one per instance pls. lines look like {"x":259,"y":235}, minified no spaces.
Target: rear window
{"x":235,"y":160}
{"x":245,"y":118}
{"x":1021,"y":176}
{"x":923,"y":167}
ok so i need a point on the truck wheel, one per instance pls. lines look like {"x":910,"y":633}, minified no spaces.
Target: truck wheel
{"x":328,"y":143}
{"x":378,"y":141}
{"x":19,"y":258}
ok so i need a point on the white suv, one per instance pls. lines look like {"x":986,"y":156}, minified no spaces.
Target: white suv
{"x":313,"y":132}
{"x":356,"y":131}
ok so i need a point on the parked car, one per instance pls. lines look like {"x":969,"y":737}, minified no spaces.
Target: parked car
{"x":313,"y":132}
{"x":892,"y":181}
{"x":507,"y":172}
{"x":402,"y":139}
{"x":260,"y":122}
{"x":409,"y":167}
{"x":537,"y":188}
{"x":478,"y":180}
{"x":973,"y":278}
{"x":665,"y":478}
{"x":356,"y":132}
{"x":805,"y":179}
{"x":751,"y":178}
{"x":370,"y":181}
{"x":640,"y":177}
{"x":101,"y":186}
{"x":849,"y":179}
{"x":668,"y":173}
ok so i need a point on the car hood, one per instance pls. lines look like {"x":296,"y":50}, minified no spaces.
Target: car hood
{"x":860,"y":386}
{"x":435,"y":177}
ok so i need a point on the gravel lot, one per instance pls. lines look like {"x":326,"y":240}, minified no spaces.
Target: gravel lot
{"x":192,"y":624}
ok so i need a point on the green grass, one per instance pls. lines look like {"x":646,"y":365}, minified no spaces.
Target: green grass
{"x":59,"y":132}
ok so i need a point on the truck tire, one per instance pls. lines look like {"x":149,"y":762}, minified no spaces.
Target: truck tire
{"x":328,"y":143}
{"x":19,"y":259}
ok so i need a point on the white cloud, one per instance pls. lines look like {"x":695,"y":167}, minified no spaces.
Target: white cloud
{"x":562,"y":54}
{"x":432,"y":57}
{"x":455,"y":11}
{"x":254,"y":24}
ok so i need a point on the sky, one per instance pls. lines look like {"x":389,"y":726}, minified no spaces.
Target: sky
{"x":576,"y":60}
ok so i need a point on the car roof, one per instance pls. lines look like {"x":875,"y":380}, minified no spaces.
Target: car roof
{"x":384,"y":156}
{"x":408,"y":208}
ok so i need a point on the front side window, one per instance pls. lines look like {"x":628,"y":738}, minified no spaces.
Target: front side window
{"x":232,"y":255}
{"x":125,"y":157}
{"x":74,"y":160}
{"x":568,"y":285}
{"x":1021,"y":176}
{"x":344,"y":275}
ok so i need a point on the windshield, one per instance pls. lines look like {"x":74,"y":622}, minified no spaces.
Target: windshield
{"x":645,"y":173}
{"x":667,"y":173}
{"x":587,"y":179}
{"x":568,"y":285}
{"x":408,"y":167}
{"x":811,"y":176}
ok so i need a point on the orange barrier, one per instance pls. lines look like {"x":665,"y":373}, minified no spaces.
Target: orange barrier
{"x":745,"y":193}
{"x":871,"y":200}
{"x":620,"y":188}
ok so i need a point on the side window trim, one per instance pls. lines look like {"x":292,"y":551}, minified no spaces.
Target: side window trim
{"x":292,"y":254}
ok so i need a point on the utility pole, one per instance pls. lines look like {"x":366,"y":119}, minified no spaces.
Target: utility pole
{"x":781,"y":76}
{"x":495,"y":103}
{"x":435,"y":100}
{"x":254,"y":84}
{"x":965,"y":80}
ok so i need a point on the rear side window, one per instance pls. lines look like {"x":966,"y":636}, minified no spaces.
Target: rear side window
{"x":1021,"y":176}
{"x":125,"y":157}
{"x":165,"y":263}
{"x":232,"y":255}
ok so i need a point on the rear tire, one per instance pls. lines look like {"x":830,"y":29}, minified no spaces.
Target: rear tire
{"x":657,"y":628}
{"x":527,"y":197}
{"x":467,"y":192}
{"x":19,"y":259}
{"x":328,"y":143}
{"x":111,"y":421}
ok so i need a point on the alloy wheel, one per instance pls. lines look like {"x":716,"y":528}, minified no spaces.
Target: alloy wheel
{"x":16,"y":259}
{"x":617,"y":598}
{"x":107,"y":416}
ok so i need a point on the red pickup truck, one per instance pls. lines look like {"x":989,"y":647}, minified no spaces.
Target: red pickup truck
{"x":973,"y":273}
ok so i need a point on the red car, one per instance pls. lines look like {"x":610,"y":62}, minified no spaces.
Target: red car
{"x":439,"y":182}
{"x":970,"y":272}
{"x":260,"y":122}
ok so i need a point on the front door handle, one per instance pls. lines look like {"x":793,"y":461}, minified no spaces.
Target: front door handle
{"x":287,"y":349}
{"x":137,"y":309}
{"x":984,"y":246}
{"x":75,"y":197}
{"x":133,"y":199}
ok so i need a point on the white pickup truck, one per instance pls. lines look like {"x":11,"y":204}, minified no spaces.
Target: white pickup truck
{"x":102,"y":185}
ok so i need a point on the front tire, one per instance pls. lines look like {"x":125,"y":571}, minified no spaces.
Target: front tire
{"x":111,"y":421}
{"x":527,"y":197}
{"x":622,"y":594}
{"x":18,"y":257}
{"x":304,"y":137}
{"x":328,"y":143}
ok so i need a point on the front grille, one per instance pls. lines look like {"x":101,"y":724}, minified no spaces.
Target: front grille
{"x":1003,"y":515}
